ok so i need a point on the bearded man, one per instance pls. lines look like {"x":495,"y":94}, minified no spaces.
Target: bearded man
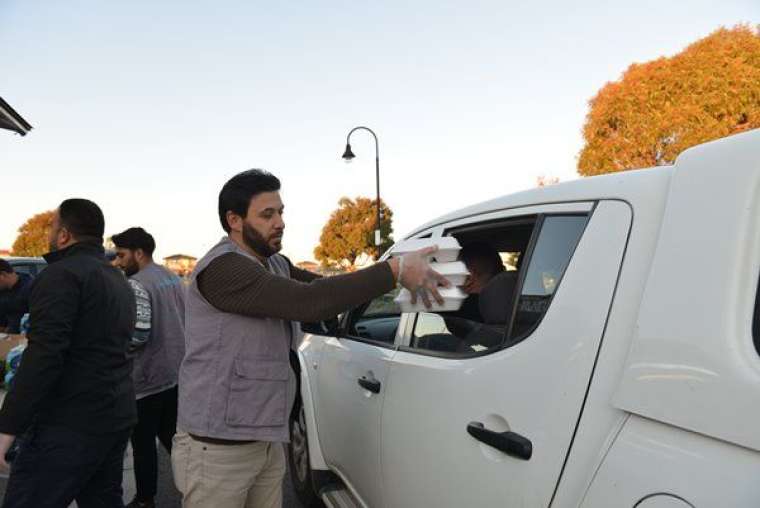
{"x":157,"y":347}
{"x":236,"y":386}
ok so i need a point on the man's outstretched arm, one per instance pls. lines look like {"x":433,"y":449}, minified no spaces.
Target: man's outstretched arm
{"x":237,"y":284}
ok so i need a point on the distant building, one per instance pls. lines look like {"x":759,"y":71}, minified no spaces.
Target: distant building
{"x":181,"y":264}
{"x":311,"y":266}
{"x":308,"y":265}
{"x":4,"y":253}
{"x":11,"y":120}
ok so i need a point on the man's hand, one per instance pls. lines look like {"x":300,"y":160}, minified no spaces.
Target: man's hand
{"x":6,"y":441}
{"x":417,"y":276}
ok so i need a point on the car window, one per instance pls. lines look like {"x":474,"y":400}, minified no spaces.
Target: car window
{"x":453,"y":334}
{"x":376,"y":321}
{"x":555,"y":246}
{"x":516,"y":294}
{"x":31,"y":268}
{"x":25,"y":268}
{"x":492,"y":255}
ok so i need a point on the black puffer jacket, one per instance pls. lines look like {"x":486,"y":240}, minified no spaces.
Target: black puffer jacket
{"x":75,"y":371}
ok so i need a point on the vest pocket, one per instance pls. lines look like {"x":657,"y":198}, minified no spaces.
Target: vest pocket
{"x":258,"y":393}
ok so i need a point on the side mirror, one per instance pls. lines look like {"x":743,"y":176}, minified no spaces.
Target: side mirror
{"x":328,"y":327}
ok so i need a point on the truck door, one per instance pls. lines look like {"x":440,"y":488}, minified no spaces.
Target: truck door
{"x":483,"y":414}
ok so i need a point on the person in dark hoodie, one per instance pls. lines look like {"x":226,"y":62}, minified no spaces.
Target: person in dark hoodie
{"x":73,"y":399}
{"x":14,"y":297}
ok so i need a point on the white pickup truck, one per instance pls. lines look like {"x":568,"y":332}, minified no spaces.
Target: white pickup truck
{"x":615,"y":363}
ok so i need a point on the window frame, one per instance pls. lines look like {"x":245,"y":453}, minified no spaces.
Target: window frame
{"x":486,"y":222}
{"x":404,"y":317}
{"x":348,"y":317}
{"x":510,"y":341}
{"x":755,"y":324}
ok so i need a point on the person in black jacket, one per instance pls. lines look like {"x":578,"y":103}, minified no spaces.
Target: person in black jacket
{"x":14,"y":297}
{"x":73,"y":398}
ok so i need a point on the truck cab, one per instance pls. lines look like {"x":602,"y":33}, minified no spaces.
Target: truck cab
{"x":614,"y":360}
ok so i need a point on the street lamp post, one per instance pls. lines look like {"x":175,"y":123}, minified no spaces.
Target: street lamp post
{"x":347,"y":156}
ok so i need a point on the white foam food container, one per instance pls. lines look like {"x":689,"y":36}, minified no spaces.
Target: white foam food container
{"x":452,"y":301}
{"x":455,"y":272}
{"x":448,"y":248}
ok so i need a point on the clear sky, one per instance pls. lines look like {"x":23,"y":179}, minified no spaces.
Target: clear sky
{"x":148,"y":107}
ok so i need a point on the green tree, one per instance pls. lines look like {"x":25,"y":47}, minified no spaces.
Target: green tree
{"x":660,"y":108}
{"x":350,"y":233}
{"x":32,"y":239}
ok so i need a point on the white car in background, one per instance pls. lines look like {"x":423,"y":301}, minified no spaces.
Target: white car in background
{"x":618,"y":366}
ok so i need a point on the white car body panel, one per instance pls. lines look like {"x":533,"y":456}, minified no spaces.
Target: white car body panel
{"x":348,"y":419}
{"x":651,"y":458}
{"x":516,"y":211}
{"x":692,"y":361}
{"x":601,"y":421}
{"x":431,"y":400}
{"x":308,"y":358}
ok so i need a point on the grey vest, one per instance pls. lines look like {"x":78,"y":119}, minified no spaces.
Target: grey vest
{"x":156,"y":366}
{"x":235,"y":381}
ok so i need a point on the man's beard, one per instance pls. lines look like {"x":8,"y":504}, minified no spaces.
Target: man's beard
{"x":256,"y":242}
{"x":52,"y":244}
{"x":131,"y":268}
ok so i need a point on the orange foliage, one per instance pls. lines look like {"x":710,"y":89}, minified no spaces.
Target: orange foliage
{"x":660,"y":108}
{"x":32,"y":239}
{"x":350,"y":233}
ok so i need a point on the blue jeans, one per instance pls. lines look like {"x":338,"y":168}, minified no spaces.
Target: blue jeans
{"x":57,"y":465}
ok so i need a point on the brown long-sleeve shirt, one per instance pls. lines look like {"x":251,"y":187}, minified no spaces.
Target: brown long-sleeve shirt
{"x":236,"y":284}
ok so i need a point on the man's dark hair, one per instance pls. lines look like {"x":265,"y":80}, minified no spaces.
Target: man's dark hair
{"x":6,"y":266}
{"x":135,"y":238}
{"x":484,"y":256}
{"x":82,"y":218}
{"x":237,"y":193}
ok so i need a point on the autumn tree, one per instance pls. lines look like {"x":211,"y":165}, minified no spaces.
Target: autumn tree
{"x":32,"y":239}
{"x":350,"y":233}
{"x":660,"y":108}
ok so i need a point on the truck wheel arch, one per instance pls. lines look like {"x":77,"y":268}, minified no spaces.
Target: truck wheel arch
{"x":663,"y":500}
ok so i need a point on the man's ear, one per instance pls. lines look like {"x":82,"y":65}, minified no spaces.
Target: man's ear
{"x":234,"y":221}
{"x":66,"y":235}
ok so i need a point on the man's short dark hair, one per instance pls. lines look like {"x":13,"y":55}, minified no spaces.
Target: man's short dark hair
{"x":135,"y":238}
{"x":237,"y":193}
{"x":484,"y":256}
{"x":82,"y":218}
{"x":6,"y":266}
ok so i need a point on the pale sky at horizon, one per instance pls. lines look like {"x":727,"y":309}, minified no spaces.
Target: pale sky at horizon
{"x":148,"y":109}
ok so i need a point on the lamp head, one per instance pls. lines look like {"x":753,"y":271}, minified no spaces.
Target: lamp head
{"x":348,"y":155}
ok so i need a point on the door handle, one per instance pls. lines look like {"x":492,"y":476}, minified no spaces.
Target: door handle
{"x":372,"y":385}
{"x":511,"y":443}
